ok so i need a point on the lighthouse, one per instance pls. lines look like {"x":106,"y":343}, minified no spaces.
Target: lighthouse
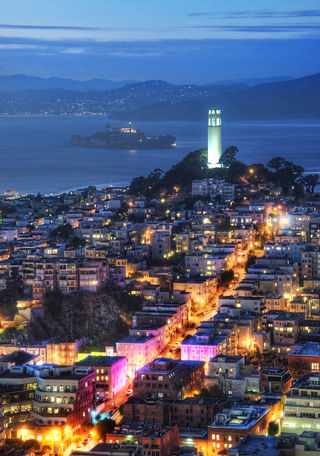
{"x":214,"y":138}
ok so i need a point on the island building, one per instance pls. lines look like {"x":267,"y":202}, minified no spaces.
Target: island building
{"x":214,"y":138}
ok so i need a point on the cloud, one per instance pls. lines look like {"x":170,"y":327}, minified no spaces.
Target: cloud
{"x":262,"y":28}
{"x":140,"y":49}
{"x":128,"y":49}
{"x":46,"y":27}
{"x":11,"y":46}
{"x":258,"y":14}
{"x":73,"y":50}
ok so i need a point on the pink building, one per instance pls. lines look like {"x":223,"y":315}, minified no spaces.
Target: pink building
{"x":111,"y":373}
{"x":92,"y":275}
{"x":139,"y":350}
{"x":203,"y":346}
{"x":159,"y":331}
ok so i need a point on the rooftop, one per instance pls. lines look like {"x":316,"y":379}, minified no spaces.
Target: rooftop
{"x":135,"y":339}
{"x":308,"y":349}
{"x":242,"y":417}
{"x":144,"y":430}
{"x":257,"y":445}
{"x":99,"y":360}
{"x":162,"y":365}
{"x":18,"y":357}
{"x":196,"y":340}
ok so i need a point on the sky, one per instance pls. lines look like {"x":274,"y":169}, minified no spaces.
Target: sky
{"x":181,"y":41}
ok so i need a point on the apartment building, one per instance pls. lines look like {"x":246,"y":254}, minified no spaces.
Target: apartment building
{"x":302,"y":405}
{"x":233,"y":376}
{"x":165,"y":378}
{"x":111,"y":374}
{"x":62,"y":353}
{"x":62,"y":395}
{"x":232,"y":425}
{"x":139,"y":350}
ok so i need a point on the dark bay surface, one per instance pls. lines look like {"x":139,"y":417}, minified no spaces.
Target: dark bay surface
{"x":36,"y":155}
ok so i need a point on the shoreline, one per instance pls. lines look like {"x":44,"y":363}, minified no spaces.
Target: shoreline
{"x":73,"y":189}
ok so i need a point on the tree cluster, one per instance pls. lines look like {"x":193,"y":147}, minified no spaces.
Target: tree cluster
{"x":65,"y":233}
{"x":11,"y":294}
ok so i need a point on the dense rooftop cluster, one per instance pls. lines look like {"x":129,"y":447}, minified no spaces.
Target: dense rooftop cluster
{"x":196,"y":312}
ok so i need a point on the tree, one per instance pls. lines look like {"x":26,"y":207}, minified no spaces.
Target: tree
{"x":213,"y":391}
{"x":276,"y":163}
{"x":236,"y":170}
{"x":63,"y":232}
{"x":77,"y":242}
{"x":31,"y":443}
{"x":137,"y":186}
{"x":11,"y":294}
{"x":227,"y":276}
{"x":228,"y":157}
{"x":286,"y":174}
{"x":273,"y":428}
{"x":153,"y":179}
{"x":103,"y":427}
{"x":250,"y":261}
{"x":310,"y":181}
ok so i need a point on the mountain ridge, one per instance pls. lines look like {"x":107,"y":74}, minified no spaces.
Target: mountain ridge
{"x":297,"y":98}
{"x":18,"y":82}
{"x":161,"y":100}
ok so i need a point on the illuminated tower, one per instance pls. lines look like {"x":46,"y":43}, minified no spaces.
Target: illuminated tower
{"x":214,"y":138}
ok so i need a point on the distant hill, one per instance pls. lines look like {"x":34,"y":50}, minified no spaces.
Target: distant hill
{"x":252,"y":81}
{"x":132,"y":96}
{"x":19,"y":82}
{"x":297,"y":98}
{"x":160,"y":100}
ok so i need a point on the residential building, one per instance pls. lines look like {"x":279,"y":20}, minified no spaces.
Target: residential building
{"x":302,"y":405}
{"x":165,"y":378}
{"x":232,"y":425}
{"x":111,"y":374}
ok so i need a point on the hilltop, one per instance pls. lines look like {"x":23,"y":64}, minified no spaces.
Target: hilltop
{"x":297,"y":98}
{"x":160,"y":100}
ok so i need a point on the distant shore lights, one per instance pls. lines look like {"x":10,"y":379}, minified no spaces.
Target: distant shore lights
{"x":214,"y":138}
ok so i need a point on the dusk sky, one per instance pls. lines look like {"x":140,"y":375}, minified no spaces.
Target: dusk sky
{"x":196,"y":41}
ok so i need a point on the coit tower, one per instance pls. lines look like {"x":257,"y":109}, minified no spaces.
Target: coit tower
{"x":214,"y":138}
